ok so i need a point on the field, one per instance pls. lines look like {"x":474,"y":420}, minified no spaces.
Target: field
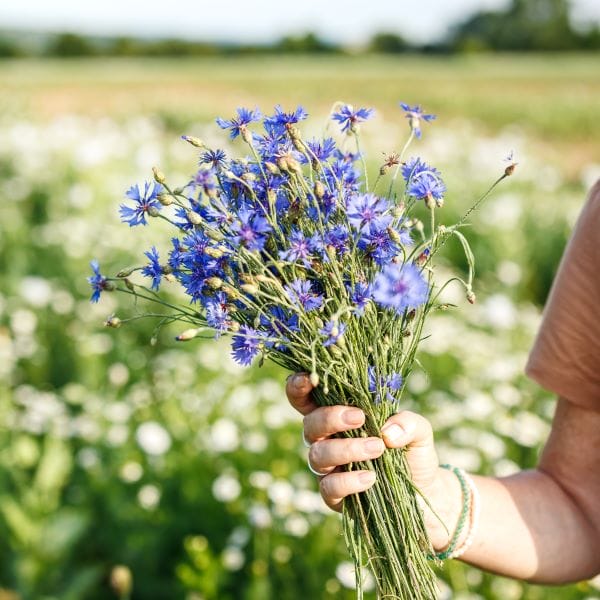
{"x":170,"y":459}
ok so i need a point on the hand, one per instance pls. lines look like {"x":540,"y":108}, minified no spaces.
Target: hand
{"x":405,"y":429}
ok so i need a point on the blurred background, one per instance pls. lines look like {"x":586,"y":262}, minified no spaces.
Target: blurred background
{"x":165,"y":471}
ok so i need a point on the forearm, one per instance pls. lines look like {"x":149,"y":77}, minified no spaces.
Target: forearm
{"x":529,"y":528}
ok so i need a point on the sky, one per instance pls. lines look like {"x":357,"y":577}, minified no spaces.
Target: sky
{"x":343,"y":21}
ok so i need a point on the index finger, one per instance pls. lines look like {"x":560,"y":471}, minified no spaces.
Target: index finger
{"x":298,"y":389}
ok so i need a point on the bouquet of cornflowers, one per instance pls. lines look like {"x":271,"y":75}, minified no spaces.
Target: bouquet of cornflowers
{"x":291,"y":252}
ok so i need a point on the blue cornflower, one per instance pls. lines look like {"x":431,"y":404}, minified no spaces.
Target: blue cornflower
{"x":321,"y":150}
{"x":383,"y":384}
{"x":214,"y":158}
{"x":401,"y":287}
{"x":363,"y":210}
{"x":349,"y":118}
{"x":413,"y":166}
{"x":281,"y":120}
{"x":98,"y":282}
{"x":333,"y":332}
{"x":300,"y":292}
{"x":238,"y":125}
{"x":360,"y":296}
{"x":246,"y":345}
{"x":250,"y":230}
{"x":153,"y":268}
{"x":414,"y":115}
{"x":300,"y":248}
{"x":176,"y":255}
{"x":278,"y":324}
{"x":427,"y":186}
{"x":378,"y":243}
{"x":205,"y":179}
{"x":337,"y":238}
{"x":144,"y":202}
{"x":217,"y":313}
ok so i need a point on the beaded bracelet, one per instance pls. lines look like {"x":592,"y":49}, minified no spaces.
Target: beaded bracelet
{"x":467,"y":494}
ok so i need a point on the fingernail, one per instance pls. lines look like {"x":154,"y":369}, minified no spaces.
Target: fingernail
{"x":352,"y":416}
{"x":366,"y":477}
{"x":392,"y":432}
{"x":373,"y":446}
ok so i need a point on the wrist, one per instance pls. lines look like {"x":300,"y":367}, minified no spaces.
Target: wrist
{"x":446,"y":503}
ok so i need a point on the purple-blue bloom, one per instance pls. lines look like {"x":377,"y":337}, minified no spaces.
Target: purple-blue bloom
{"x":363,"y":210}
{"x":332,"y":331}
{"x":300,"y":248}
{"x":337,"y":238}
{"x":237,"y":125}
{"x":300,"y":292}
{"x":383,"y":384}
{"x":360,"y":296}
{"x":214,"y":158}
{"x":143,"y":203}
{"x":348,"y":118}
{"x":98,"y":282}
{"x":250,"y":230}
{"x":401,"y":287}
{"x":414,"y":115}
{"x":153,"y":268}
{"x":217,"y":313}
{"x":246,"y":345}
{"x":322,"y":150}
{"x":280,"y":121}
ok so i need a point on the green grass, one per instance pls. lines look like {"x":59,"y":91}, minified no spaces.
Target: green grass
{"x":554,"y":97}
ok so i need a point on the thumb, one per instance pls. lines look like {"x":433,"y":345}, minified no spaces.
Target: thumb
{"x":413,"y":432}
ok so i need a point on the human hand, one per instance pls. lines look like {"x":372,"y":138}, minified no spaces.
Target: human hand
{"x":328,"y":455}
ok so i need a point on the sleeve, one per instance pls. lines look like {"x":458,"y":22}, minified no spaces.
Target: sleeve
{"x":565,"y":357}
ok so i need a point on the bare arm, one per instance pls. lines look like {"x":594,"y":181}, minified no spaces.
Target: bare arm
{"x":541,"y":525}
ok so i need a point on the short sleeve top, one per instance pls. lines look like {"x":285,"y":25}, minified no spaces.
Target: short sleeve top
{"x":565,"y":357}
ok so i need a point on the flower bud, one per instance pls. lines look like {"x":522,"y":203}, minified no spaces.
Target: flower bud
{"x":188,"y":334}
{"x":246,"y":134}
{"x":394,"y":235}
{"x":314,"y":379}
{"x":214,"y":283}
{"x":510,"y":169}
{"x":159,"y":176}
{"x":129,"y":285}
{"x":194,"y":141}
{"x":272,"y":168}
{"x":282,"y":163}
{"x":178,"y":191}
{"x":294,"y":165}
{"x":113,"y":322}
{"x":193,"y":217}
{"x":109,"y":286}
{"x":249,"y":289}
{"x":125,"y":272}
{"x":214,"y":235}
{"x":153,"y":211}
{"x":398,"y":210}
{"x":248,"y":177}
{"x":234,"y":326}
{"x":121,"y":581}
{"x":170,"y":277}
{"x":213,"y":252}
{"x":335,"y":351}
{"x":319,"y":190}
{"x":165,"y":199}
{"x":231,"y":292}
{"x":471,"y":297}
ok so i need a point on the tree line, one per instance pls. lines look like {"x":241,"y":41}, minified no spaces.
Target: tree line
{"x":527,"y":25}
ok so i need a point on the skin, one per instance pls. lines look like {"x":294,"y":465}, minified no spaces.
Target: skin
{"x":540,"y":525}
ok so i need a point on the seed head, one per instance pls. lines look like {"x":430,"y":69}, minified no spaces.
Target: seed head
{"x":159,"y":176}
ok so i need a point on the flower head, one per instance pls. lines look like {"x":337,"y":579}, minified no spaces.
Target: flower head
{"x":300,"y":293}
{"x":246,"y":345}
{"x":349,"y":118}
{"x":363,"y":210}
{"x":144,"y":202}
{"x":401,"y":287}
{"x":300,"y":248}
{"x":250,"y":230}
{"x":217,"y":313}
{"x":214,"y":158}
{"x":383,"y":384}
{"x":360,"y":296}
{"x":281,"y":120}
{"x":333,"y":332}
{"x":238,"y":124}
{"x":153,"y":268}
{"x":415,"y":115}
{"x":98,"y":282}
